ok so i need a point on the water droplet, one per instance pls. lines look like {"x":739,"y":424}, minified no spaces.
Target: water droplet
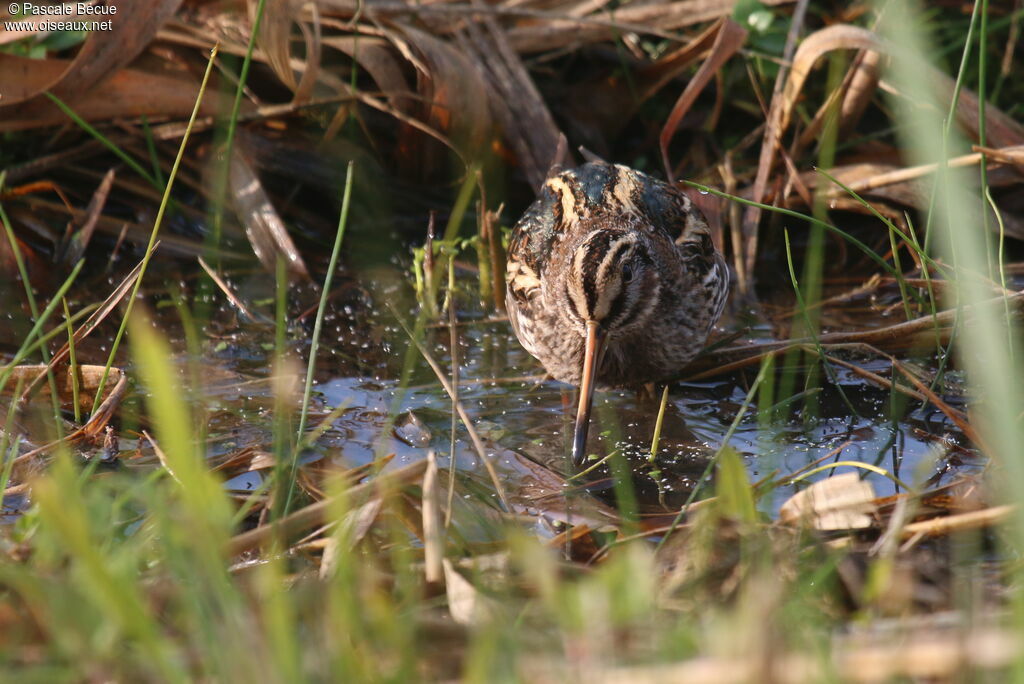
{"x":703,"y":192}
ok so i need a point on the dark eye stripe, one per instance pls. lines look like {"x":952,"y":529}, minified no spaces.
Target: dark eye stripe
{"x":620,"y":302}
{"x":617,"y":308}
{"x":554,"y":203}
{"x":572,"y":302}
{"x":595,"y":256}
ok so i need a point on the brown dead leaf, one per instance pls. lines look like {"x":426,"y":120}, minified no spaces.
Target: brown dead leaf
{"x":908,"y":186}
{"x":76,"y":82}
{"x":959,"y":522}
{"x":88,"y":380}
{"x":455,"y":95}
{"x":84,"y":330}
{"x":102,"y":54}
{"x":599,"y":108}
{"x":315,"y":513}
{"x":919,"y":332}
{"x":1002,"y":131}
{"x":729,"y":39}
{"x":543,"y":491}
{"x":12,"y":36}
{"x":89,"y":432}
{"x":275,"y":40}
{"x":127,"y":94}
{"x":860,"y":91}
{"x":514,"y":98}
{"x":378,"y":59}
{"x":411,"y":430}
{"x":654,"y":18}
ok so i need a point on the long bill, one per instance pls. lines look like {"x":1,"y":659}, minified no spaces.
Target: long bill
{"x":592,"y":348}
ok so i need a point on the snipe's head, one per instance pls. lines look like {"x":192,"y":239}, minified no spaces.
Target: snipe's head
{"x":611,"y":286}
{"x":611,"y":282}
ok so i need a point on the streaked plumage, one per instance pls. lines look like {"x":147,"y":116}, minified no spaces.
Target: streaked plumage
{"x":629,"y":254}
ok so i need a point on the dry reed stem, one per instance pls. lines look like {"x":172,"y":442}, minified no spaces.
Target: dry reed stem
{"x":433,"y":529}
{"x":898,"y":336}
{"x":474,"y":437}
{"x":958,"y":522}
{"x":771,"y":143}
{"x":228,"y":292}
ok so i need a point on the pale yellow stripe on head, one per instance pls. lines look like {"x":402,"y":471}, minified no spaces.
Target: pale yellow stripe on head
{"x":567,"y":198}
{"x":623,"y":188}
{"x":694,"y":228}
{"x":574,"y":286}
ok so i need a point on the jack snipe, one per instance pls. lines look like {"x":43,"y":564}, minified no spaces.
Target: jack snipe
{"x":612,"y":281}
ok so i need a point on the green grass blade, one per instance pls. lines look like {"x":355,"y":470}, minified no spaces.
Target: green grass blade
{"x":156,"y":228}
{"x":317,"y":327}
{"x":105,"y":141}
{"x":72,"y":362}
{"x":735,"y":495}
{"x":220,"y":188}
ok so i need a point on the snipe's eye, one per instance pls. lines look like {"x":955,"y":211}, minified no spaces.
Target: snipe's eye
{"x":627,"y":273}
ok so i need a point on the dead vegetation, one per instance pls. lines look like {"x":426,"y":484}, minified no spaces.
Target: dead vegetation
{"x":483,"y":98}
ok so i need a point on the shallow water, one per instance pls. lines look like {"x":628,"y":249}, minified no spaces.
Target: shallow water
{"x":516,"y":411}
{"x":523,"y":419}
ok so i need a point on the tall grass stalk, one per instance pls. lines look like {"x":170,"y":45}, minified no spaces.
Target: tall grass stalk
{"x":8,"y":459}
{"x":894,"y":247}
{"x":220,"y":187}
{"x":106,"y":142}
{"x":112,"y":586}
{"x":156,"y":228}
{"x":907,"y":239}
{"x":314,"y":344}
{"x":34,"y":308}
{"x":72,"y":362}
{"x":1001,"y":262}
{"x":802,"y":307}
{"x":867,"y":251}
{"x":947,"y":123}
{"x":658,"y":423}
{"x":814,"y":253}
{"x":447,"y":244}
{"x":938,"y":186}
{"x":174,"y":426}
{"x":983,"y":347}
{"x":453,"y":345}
{"x":154,"y":158}
{"x":932,"y":303}
{"x":619,"y":468}
{"x":981,"y":7}
{"x":34,"y":340}
{"x":284,"y":447}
